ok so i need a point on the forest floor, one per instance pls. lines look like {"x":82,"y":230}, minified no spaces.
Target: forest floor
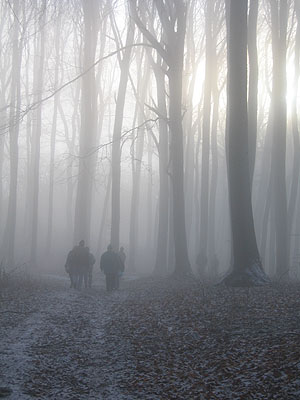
{"x":150,"y":340}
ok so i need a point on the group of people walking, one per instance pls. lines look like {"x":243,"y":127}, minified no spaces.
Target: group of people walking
{"x":80,"y":262}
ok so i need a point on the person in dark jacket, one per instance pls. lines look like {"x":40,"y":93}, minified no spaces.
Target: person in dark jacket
{"x":80,"y":263}
{"x":111,"y":265}
{"x":88,"y":276}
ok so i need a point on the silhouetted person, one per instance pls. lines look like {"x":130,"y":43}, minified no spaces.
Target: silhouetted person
{"x":80,"y":263}
{"x":88,"y":276}
{"x":111,"y":265}
{"x":69,"y":267}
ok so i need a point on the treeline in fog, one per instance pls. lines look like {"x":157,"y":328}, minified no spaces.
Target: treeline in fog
{"x":167,"y":127}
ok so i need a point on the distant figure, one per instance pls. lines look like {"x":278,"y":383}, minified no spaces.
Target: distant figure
{"x":69,"y":267}
{"x":88,"y":276}
{"x":201,"y":261}
{"x":111,"y":265}
{"x":80,"y":263}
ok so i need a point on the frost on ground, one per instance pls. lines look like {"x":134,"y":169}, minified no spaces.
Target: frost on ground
{"x":151,"y":340}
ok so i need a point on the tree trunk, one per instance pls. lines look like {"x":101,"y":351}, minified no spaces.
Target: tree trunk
{"x":247,"y":269}
{"x":182,"y":264}
{"x":53,"y":137}
{"x":87,"y":142}
{"x":295,"y":130}
{"x":36,"y":131}
{"x":137,"y":163}
{"x":100,"y":246}
{"x":14,"y":118}
{"x":253,"y":82}
{"x":204,"y":228}
{"x":116,"y":146}
{"x":163,"y":213}
{"x":279,"y":30}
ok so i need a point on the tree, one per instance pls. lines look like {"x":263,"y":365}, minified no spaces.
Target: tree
{"x":116,"y":146}
{"x":247,"y":268}
{"x":295,"y":129}
{"x":204,"y":228}
{"x":53,"y":135}
{"x":279,"y":15}
{"x":87,"y":140}
{"x":172,"y":17}
{"x":253,"y":83}
{"x":37,"y":127}
{"x":14,"y":125}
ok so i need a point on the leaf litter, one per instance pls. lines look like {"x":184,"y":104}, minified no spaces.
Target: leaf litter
{"x":154,"y":339}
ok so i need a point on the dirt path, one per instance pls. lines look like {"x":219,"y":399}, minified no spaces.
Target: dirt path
{"x":152,"y":340}
{"x":59,"y":350}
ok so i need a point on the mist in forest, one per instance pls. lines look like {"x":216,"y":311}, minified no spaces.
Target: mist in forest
{"x":168,"y":128}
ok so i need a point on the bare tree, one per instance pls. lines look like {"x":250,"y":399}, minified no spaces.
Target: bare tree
{"x":14,"y":125}
{"x":116,"y":146}
{"x":172,"y":17}
{"x":38,"y":83}
{"x":279,"y":16}
{"x":87,"y":140}
{"x":253,"y":83}
{"x":247,"y":268}
{"x":295,"y":129}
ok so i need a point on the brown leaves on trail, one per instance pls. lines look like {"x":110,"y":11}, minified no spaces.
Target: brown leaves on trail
{"x":153,"y":340}
{"x":179,"y":341}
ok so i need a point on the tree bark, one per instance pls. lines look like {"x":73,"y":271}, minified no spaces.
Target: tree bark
{"x":295,"y":131}
{"x":36,"y":131}
{"x":163,"y":213}
{"x":87,"y":140}
{"x":247,"y":269}
{"x":116,"y":147}
{"x":253,"y":82}
{"x":204,"y":228}
{"x":14,"y":118}
{"x":53,"y":137}
{"x":279,"y":31}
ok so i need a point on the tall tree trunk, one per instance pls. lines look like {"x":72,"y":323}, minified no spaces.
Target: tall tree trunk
{"x":247,"y":269}
{"x":279,"y":31}
{"x":138,"y":144}
{"x":214,"y":179}
{"x":172,"y":51}
{"x":116,"y":146}
{"x":253,"y":82}
{"x":204,"y":228}
{"x":87,"y":141}
{"x":182,"y":264}
{"x":163,"y":208}
{"x":14,"y":121}
{"x":100,"y":246}
{"x":53,"y":137}
{"x":295,"y":130}
{"x":37,"y":128}
{"x":150,"y":223}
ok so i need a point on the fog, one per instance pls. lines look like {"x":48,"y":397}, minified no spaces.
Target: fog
{"x":149,"y":199}
{"x":113,"y":130}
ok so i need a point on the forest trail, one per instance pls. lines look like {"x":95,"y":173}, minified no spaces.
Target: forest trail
{"x":58,"y":350}
{"x":154,"y":339}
